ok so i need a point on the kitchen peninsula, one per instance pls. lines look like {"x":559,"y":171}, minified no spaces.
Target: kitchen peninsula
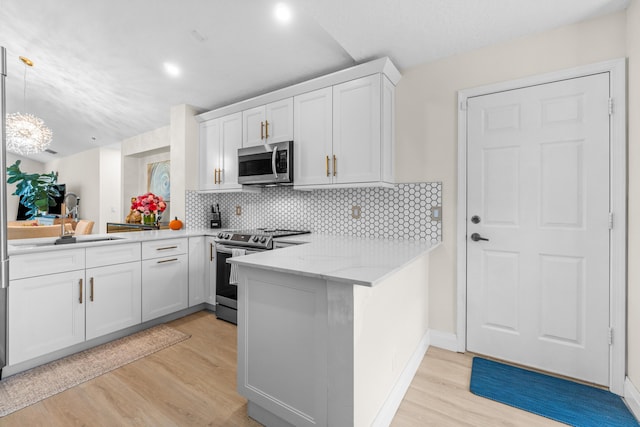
{"x":328,"y":331}
{"x":331,"y":329}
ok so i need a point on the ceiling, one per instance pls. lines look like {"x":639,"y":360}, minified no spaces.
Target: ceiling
{"x":98,"y":75}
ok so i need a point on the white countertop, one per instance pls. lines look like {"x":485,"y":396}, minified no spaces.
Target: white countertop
{"x":351,"y":260}
{"x":27,"y":246}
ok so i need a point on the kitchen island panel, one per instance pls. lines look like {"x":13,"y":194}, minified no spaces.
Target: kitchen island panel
{"x":356,"y":344}
{"x":282,"y":341}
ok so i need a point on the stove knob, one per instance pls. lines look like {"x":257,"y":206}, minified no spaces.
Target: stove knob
{"x":227,"y":236}
{"x":220,"y":235}
{"x":255,"y":238}
{"x":263,"y":239}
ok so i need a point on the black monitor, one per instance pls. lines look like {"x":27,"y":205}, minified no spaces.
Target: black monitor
{"x":57,"y":209}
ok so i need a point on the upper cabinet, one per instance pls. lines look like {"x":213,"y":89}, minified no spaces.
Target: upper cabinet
{"x":268,"y":123}
{"x":313,"y":137}
{"x":341,"y":125}
{"x":219,"y":142}
{"x":344,"y":135}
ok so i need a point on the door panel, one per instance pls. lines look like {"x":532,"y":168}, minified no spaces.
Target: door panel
{"x":538,"y":178}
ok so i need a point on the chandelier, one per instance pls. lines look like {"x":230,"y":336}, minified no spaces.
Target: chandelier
{"x":26,"y":133}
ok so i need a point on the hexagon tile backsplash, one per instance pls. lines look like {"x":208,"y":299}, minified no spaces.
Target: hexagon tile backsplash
{"x":402,"y":212}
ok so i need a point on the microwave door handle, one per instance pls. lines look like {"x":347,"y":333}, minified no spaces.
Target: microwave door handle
{"x":273,"y":162}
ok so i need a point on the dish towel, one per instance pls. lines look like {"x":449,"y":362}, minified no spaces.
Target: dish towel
{"x":233,"y":277}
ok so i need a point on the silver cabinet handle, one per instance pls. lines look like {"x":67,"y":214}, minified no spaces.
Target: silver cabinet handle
{"x":167,"y":260}
{"x":166,"y":247}
{"x":91,"y":291}
{"x":211,"y":252}
{"x":80,"y":299}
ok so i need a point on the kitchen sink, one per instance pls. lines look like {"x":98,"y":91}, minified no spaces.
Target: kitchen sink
{"x":78,"y":239}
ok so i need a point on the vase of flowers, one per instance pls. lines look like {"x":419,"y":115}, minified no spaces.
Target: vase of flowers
{"x":150,"y":207}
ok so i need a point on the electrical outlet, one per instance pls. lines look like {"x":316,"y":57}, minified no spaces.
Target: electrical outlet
{"x":356,"y":212}
{"x":436,"y":213}
{"x":238,"y":210}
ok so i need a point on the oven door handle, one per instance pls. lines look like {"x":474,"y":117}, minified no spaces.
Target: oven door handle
{"x":227,"y":250}
{"x":273,"y":162}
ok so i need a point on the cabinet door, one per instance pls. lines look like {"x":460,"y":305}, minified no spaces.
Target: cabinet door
{"x":253,"y":126}
{"x":45,"y":314}
{"x":356,"y":130}
{"x":165,"y":287}
{"x":209,"y":153}
{"x":279,"y":121}
{"x":113,"y":298}
{"x":230,"y":141}
{"x":313,"y":138}
{"x":197,"y":276}
{"x":211,"y":271}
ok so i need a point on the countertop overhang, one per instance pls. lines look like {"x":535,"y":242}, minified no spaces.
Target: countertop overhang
{"x":351,"y":260}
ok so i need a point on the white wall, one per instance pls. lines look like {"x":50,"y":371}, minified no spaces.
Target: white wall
{"x":426,"y":121}
{"x":81,"y":173}
{"x":137,"y":152}
{"x":110,"y":198}
{"x":184,"y":157}
{"x":633,"y":296}
{"x":26,"y":165}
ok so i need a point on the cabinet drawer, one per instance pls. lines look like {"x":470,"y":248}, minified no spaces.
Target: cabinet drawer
{"x":42,"y":263}
{"x":112,"y":254}
{"x":164,"y":248}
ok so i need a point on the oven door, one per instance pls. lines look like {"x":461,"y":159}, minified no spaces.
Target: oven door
{"x":226,"y":294}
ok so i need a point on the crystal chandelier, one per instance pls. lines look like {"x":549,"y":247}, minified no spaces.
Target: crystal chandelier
{"x":26,"y":133}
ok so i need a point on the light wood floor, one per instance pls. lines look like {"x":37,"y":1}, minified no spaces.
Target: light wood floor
{"x":193,"y":383}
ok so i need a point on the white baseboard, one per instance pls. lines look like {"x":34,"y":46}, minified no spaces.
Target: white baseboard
{"x":445,"y":340}
{"x":632,"y":397}
{"x":391,"y":405}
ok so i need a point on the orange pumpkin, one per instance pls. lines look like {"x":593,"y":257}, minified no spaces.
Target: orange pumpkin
{"x":175,"y":224}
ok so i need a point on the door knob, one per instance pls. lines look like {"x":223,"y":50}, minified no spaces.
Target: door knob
{"x":475,"y":219}
{"x":476,"y":237}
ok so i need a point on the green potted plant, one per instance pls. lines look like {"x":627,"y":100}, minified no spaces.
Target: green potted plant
{"x":36,"y":191}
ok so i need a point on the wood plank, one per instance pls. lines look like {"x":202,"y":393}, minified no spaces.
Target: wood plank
{"x":194,"y":383}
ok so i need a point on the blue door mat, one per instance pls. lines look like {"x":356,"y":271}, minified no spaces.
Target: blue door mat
{"x":555,"y":398}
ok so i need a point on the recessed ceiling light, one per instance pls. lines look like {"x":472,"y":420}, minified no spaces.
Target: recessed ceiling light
{"x":282,"y":13}
{"x":172,"y":69}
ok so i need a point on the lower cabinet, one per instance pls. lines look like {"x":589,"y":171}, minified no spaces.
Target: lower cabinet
{"x":46,"y":313}
{"x":165,"y":287}
{"x":113,"y":297}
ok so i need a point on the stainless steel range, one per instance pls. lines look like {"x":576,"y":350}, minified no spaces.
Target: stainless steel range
{"x":235,"y":243}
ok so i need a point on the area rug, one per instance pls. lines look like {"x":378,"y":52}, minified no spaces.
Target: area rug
{"x":555,"y":398}
{"x":29,"y":387}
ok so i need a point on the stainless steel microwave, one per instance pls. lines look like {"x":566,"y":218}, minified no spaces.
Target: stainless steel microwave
{"x":268,"y":164}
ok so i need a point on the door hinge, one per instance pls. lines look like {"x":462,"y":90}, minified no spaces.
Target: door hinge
{"x":610,"y":220}
{"x":463,"y":105}
{"x":611,"y":106}
{"x":610,"y":336}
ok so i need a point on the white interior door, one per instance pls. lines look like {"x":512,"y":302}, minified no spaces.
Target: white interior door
{"x":538,"y":190}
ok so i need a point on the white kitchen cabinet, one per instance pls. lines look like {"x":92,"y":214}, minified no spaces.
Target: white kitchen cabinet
{"x":202,"y":270}
{"x":356,"y":131}
{"x":345,"y":138}
{"x":165,"y":286}
{"x":46,"y":313}
{"x":113,"y":288}
{"x":267,"y":124}
{"x":198,"y":291}
{"x":114,"y":298}
{"x":313,"y":137}
{"x":219,"y":142}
